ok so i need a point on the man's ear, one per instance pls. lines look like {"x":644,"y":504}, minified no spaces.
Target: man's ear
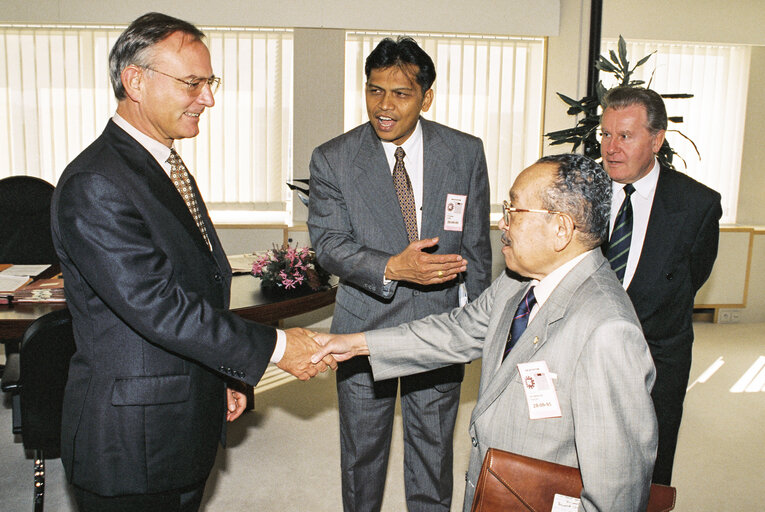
{"x":133,"y":80}
{"x":564,"y":231}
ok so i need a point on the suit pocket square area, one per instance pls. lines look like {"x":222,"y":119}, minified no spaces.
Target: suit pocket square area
{"x":509,"y":482}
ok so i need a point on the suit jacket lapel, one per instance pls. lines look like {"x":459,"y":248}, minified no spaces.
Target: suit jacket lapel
{"x":374,"y":187}
{"x":438,"y":179}
{"x":552,"y":311}
{"x":159,"y":183}
{"x":668,"y":213}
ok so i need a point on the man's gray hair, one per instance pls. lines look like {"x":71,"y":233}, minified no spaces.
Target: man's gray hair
{"x":625,"y":96}
{"x":581,"y":189}
{"x":133,"y":46}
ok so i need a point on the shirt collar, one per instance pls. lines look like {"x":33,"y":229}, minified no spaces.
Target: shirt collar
{"x":159,"y":151}
{"x":645,"y":185}
{"x":544,"y":288}
{"x":409,"y":146}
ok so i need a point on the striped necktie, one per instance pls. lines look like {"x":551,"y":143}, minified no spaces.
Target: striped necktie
{"x":405,"y":195}
{"x":520,"y":320}
{"x":621,"y":236}
{"x":182,"y":181}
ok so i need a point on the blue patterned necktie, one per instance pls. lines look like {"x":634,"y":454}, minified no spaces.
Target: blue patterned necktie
{"x":621,"y":236}
{"x":520,"y":320}
{"x":405,"y":195}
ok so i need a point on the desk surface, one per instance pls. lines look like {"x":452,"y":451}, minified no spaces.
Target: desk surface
{"x":246,"y":300}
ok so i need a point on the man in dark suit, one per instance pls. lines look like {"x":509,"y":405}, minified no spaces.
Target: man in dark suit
{"x":666,"y":254}
{"x":399,"y":207}
{"x":148,"y":285}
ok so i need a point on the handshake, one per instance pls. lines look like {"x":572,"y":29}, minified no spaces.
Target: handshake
{"x":308,"y":353}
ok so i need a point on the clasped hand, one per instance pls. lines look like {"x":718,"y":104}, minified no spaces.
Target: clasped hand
{"x":416,"y":266}
{"x":297,"y":355}
{"x":341,"y":346}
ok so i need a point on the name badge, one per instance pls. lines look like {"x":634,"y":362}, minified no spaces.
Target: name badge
{"x":540,"y":390}
{"x":455,"y":211}
{"x":564,"y":503}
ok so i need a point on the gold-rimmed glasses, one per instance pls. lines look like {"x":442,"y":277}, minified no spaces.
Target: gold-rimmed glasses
{"x":193,"y":87}
{"x":507,"y":209}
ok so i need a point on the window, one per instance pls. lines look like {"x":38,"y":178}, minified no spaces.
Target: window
{"x":55,"y":99}
{"x":491,"y":87}
{"x":718,"y":76}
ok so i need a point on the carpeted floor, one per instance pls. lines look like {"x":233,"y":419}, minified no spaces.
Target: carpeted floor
{"x":283,"y":456}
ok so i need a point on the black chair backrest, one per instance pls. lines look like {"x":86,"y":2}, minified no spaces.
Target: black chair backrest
{"x":25,"y":236}
{"x":44,"y":354}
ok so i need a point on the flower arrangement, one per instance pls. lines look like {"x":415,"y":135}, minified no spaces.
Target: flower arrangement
{"x":290,"y":268}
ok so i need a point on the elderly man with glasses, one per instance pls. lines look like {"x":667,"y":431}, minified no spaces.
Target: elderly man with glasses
{"x":148,"y":285}
{"x":566,"y":372}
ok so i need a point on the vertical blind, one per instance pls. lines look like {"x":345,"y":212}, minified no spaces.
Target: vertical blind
{"x":491,"y":87}
{"x":55,"y":99}
{"x":718,"y":77}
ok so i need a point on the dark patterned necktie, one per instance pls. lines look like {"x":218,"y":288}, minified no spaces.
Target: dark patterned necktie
{"x":180,"y":176}
{"x":405,"y":195}
{"x":520,"y":320}
{"x":621,"y":236}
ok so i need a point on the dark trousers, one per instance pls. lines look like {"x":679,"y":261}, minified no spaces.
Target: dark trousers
{"x":187,"y":500}
{"x":429,"y":411}
{"x":673,"y":365}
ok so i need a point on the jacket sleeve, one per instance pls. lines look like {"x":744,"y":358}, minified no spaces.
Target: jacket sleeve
{"x":615,"y":427}
{"x":476,"y":243}
{"x":106,"y":238}
{"x":704,"y":250}
{"x":332,"y":233}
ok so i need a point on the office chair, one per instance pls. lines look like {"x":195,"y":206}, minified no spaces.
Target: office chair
{"x":25,"y":236}
{"x":36,"y":376}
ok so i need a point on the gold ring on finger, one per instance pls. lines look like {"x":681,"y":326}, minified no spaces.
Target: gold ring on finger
{"x":440,"y":273}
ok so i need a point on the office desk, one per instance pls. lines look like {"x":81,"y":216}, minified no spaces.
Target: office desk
{"x":246,"y":300}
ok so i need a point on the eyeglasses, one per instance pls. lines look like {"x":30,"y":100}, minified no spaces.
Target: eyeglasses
{"x":507,"y":210}
{"x":193,"y":87}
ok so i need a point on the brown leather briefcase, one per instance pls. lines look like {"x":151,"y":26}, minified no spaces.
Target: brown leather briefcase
{"x":510,"y":483}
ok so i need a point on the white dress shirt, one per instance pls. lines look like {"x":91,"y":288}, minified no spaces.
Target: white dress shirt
{"x":544,"y":288}
{"x":413,"y":161}
{"x":642,"y":201}
{"x":161,"y":153}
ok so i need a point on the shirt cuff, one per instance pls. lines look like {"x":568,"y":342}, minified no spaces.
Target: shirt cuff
{"x":386,"y":281}
{"x":281,"y":346}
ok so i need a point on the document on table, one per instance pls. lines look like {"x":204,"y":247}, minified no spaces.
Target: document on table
{"x":8,"y":284}
{"x":242,"y":263}
{"x":24,"y":271}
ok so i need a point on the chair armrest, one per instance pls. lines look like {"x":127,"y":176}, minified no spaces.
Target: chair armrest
{"x":11,"y":374}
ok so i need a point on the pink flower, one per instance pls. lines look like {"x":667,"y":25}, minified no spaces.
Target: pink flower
{"x":288,"y":283}
{"x":257,"y":267}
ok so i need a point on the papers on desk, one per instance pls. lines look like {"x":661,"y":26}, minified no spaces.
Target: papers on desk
{"x":41,"y":290}
{"x":242,"y":263}
{"x":9,"y":284}
{"x":17,"y":281}
{"x":24,"y":270}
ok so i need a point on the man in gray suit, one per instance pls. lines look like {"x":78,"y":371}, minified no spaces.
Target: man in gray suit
{"x":574,"y":387}
{"x":399,"y":208}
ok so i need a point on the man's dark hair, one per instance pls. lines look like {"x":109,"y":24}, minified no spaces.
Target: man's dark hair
{"x":404,"y":53}
{"x":133,"y":46}
{"x":624,"y":96}
{"x":581,"y":189}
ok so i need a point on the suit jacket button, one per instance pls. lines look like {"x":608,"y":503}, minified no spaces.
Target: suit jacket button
{"x":475,"y":441}
{"x":669,"y":277}
{"x":217,"y":277}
